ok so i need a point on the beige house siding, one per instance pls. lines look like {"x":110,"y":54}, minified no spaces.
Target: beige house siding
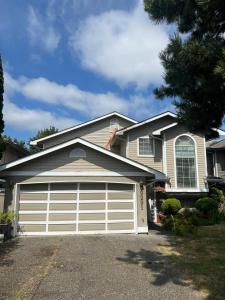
{"x":2,"y":199}
{"x":155,"y":162}
{"x":170,"y":137}
{"x":97,"y":133}
{"x":60,"y":161}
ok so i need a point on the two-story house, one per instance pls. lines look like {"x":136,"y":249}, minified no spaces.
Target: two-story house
{"x":96,"y":177}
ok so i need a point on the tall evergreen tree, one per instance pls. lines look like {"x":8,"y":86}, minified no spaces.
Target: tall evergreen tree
{"x":2,"y":146}
{"x":194,"y":63}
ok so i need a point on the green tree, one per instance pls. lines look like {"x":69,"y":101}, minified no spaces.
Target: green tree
{"x":194,"y":63}
{"x":2,"y":146}
{"x":40,"y":134}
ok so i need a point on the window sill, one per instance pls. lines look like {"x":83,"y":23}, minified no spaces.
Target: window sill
{"x":151,"y":155}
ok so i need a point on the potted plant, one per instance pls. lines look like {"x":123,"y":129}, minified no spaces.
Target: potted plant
{"x":6,"y":221}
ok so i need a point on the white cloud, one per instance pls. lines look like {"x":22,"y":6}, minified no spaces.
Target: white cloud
{"x":41,"y":31}
{"x":122,"y":46}
{"x":25,"y":119}
{"x":70,"y":98}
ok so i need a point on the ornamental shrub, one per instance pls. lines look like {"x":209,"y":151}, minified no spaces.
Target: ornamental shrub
{"x":207,"y":205}
{"x":171,"y":206}
{"x":181,"y":225}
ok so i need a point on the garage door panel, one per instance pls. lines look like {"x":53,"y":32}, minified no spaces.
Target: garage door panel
{"x":90,"y":217}
{"x":77,"y":208}
{"x":63,"y":196}
{"x":32,"y":228}
{"x":120,"y":187}
{"x":33,"y":206}
{"x":91,"y":227}
{"x":63,"y":186}
{"x":62,"y":227}
{"x":62,"y":217}
{"x":95,"y":186}
{"x":120,"y":216}
{"x":62,"y":206}
{"x":120,"y":205}
{"x":120,"y":196}
{"x":33,"y":197}
{"x":94,"y":196}
{"x":92,"y":206}
{"x":36,"y":187}
{"x":32,"y":217}
{"x":120,"y":226}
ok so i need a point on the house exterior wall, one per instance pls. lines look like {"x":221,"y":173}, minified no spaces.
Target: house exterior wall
{"x":9,"y":154}
{"x":98,"y":133}
{"x":156,"y":161}
{"x":220,"y":163}
{"x":201,"y":166}
{"x":60,"y":161}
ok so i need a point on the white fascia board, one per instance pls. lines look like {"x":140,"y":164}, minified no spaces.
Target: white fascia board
{"x":158,"y":174}
{"x":220,"y":131}
{"x":158,"y":131}
{"x":120,"y":132}
{"x":35,"y":142}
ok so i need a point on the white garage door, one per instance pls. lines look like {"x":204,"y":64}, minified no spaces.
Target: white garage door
{"x":75,"y":208}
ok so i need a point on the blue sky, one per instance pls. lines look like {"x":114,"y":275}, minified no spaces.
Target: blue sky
{"x":72,"y":60}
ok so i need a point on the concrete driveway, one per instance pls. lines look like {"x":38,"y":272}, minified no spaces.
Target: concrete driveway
{"x":89,"y":267}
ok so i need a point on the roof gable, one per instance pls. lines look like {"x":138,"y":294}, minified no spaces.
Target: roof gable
{"x":88,"y":144}
{"x":113,"y":114}
{"x":149,"y":120}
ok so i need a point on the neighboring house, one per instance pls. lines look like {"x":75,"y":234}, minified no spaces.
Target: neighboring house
{"x":97,"y":177}
{"x":216,"y":160}
{"x":12,"y":152}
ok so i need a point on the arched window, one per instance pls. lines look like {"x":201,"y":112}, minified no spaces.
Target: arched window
{"x":185,"y":162}
{"x":114,"y":124}
{"x":78,"y":153}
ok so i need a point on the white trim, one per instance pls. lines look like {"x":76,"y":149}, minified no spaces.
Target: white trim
{"x":59,"y":233}
{"x":35,"y":142}
{"x":205,"y":158}
{"x":143,"y":229}
{"x":88,"y":144}
{"x":187,"y":190}
{"x":164,"y":155}
{"x":138,"y":146}
{"x":48,"y":207}
{"x":147,"y":121}
{"x":69,"y":174}
{"x":175,"y":165}
{"x":158,"y":131}
{"x":219,"y":131}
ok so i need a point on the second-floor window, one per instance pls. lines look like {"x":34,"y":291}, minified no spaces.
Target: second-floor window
{"x":185,"y":162}
{"x":145,"y":146}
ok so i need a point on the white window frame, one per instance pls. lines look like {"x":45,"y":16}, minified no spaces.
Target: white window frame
{"x":196,"y":165}
{"x":146,"y":155}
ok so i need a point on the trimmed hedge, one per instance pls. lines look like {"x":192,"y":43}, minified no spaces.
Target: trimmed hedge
{"x":206,"y":205}
{"x":171,"y":206}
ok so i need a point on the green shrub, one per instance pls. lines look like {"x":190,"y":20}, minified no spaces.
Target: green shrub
{"x":171,"y":206}
{"x":216,"y":194}
{"x":207,"y":205}
{"x":7,"y":217}
{"x":180,"y":224}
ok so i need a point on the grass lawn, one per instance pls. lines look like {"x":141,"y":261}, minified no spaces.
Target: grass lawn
{"x":201,"y":260}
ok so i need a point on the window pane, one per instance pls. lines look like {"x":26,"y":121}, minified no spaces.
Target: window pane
{"x":185,"y":162}
{"x":145,"y":146}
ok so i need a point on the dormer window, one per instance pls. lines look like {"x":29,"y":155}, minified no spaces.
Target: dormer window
{"x":78,"y":153}
{"x":114,"y":124}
